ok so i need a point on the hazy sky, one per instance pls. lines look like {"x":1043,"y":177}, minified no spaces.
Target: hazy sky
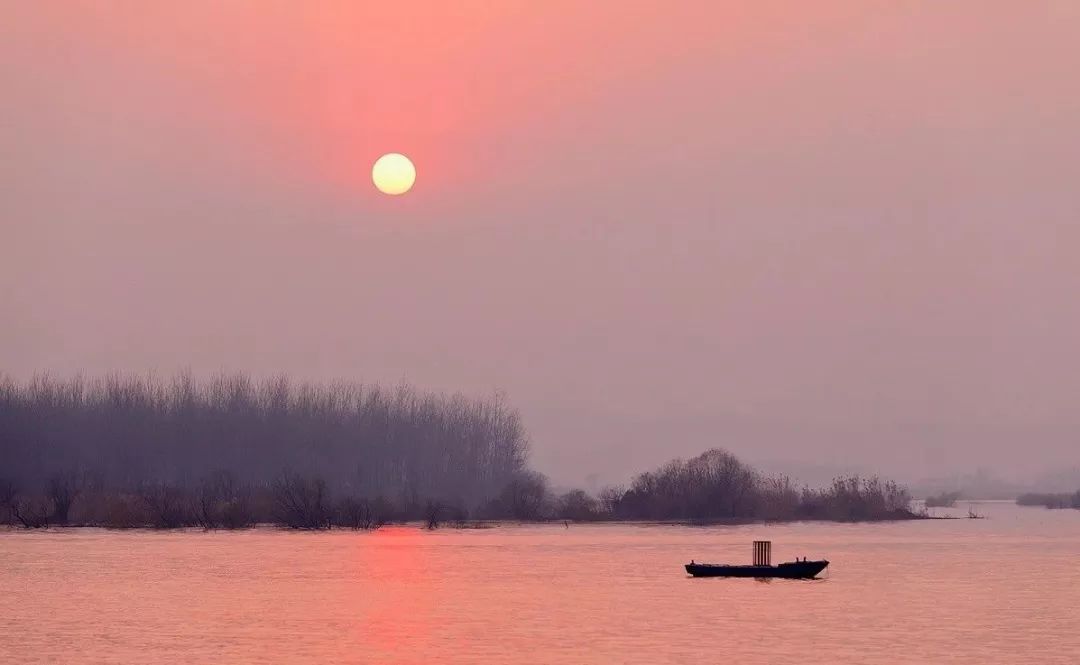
{"x":844,"y":233}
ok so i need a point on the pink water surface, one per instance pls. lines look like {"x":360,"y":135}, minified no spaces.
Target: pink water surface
{"x":1001,"y":590}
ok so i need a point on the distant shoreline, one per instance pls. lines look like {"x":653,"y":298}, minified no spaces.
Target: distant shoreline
{"x":139,"y":451}
{"x":479,"y":525}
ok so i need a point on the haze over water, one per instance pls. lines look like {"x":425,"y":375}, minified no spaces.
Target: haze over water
{"x":999,"y":590}
{"x":833,"y":232}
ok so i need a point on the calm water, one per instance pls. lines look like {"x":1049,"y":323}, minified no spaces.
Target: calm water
{"x":1001,"y":590}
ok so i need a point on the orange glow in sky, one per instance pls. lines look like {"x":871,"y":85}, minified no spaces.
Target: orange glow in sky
{"x":860,"y":215}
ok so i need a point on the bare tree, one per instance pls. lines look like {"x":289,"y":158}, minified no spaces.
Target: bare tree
{"x":220,"y":501}
{"x":62,"y":489}
{"x":168,"y":505}
{"x":434,"y":513}
{"x":7,"y":497}
{"x":353,"y":513}
{"x":609,"y":500}
{"x":302,"y":503}
{"x":31,"y":513}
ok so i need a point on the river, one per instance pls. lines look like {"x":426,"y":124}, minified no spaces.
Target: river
{"x":1005,"y":589}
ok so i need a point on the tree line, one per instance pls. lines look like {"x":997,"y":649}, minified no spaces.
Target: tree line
{"x":1050,"y":500}
{"x":717,"y":486}
{"x":231,"y":452}
{"x":943,"y":499}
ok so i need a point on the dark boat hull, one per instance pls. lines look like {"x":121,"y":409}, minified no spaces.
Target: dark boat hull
{"x":795,"y":570}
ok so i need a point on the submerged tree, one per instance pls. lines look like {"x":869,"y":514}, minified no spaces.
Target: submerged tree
{"x":222,"y":502}
{"x":302,"y":502}
{"x":63,"y":489}
{"x":30,"y":512}
{"x":167,"y":505}
{"x":353,"y":513}
{"x":7,"y":497}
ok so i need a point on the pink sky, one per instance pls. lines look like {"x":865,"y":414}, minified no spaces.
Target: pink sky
{"x":842,"y":232}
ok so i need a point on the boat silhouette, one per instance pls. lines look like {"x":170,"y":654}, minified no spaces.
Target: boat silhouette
{"x":761,"y":568}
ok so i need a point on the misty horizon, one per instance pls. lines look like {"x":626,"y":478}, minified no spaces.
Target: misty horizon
{"x":977,"y":480}
{"x":498,"y":331}
{"x":833,"y":239}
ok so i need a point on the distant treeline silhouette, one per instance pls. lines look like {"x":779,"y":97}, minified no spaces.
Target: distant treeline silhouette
{"x":1061,"y":500}
{"x":943,"y":500}
{"x":717,"y":486}
{"x":231,"y":452}
{"x":131,"y":450}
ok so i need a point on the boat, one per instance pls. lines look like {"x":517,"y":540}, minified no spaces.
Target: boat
{"x":761,"y":568}
{"x":792,"y":570}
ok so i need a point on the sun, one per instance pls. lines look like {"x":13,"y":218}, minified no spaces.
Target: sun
{"x":393,"y":174}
